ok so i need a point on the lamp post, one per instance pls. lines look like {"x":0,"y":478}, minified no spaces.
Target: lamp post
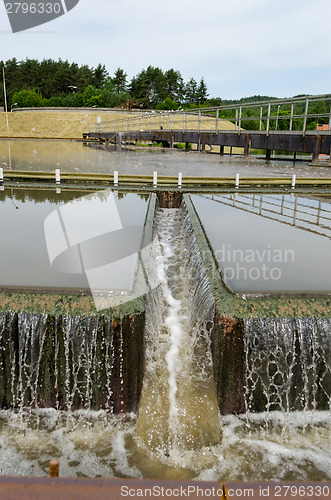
{"x":11,"y":108}
{"x":5,"y":96}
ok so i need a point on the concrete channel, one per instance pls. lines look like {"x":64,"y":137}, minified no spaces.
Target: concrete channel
{"x":123,"y":326}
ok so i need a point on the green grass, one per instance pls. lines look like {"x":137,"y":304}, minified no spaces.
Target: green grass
{"x":53,"y":124}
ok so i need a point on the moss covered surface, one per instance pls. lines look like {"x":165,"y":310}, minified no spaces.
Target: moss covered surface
{"x":62,"y":303}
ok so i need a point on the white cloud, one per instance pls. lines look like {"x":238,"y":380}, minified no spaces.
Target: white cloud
{"x":220,"y":40}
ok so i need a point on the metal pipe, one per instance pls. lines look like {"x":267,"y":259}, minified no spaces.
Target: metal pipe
{"x":54,"y":468}
{"x":115,"y":178}
{"x":57,"y":176}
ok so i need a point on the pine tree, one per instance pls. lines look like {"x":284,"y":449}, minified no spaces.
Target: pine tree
{"x":202,"y":93}
{"x":191,"y":91}
{"x":119,"y":80}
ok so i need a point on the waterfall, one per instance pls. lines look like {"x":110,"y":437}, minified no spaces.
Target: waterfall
{"x":69,"y":362}
{"x":178,"y":408}
{"x":288,"y":364}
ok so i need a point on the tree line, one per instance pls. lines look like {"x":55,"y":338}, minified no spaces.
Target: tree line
{"x":33,"y":83}
{"x":60,"y":83}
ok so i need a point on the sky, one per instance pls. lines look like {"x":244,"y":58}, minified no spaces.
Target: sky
{"x":242,"y":48}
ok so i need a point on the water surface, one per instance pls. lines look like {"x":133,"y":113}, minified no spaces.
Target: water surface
{"x":28,"y":260}
{"x":268,"y":242}
{"x":259,"y":447}
{"x":70,"y":156}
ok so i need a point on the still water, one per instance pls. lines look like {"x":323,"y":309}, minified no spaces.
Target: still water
{"x":269,"y":243}
{"x":263,"y":243}
{"x":74,"y":157}
{"x":34,"y":222}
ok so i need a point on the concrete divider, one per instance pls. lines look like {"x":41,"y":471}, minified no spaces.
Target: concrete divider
{"x":166,"y":180}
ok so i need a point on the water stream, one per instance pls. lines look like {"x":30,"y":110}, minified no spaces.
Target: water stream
{"x":178,"y":409}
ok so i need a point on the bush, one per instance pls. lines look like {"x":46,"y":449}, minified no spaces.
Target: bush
{"x":55,"y":102}
{"x":29,"y":99}
{"x":168,"y":104}
{"x":92,"y":97}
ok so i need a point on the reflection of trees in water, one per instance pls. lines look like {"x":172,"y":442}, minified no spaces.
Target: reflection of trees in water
{"x":39,"y":195}
{"x":36,"y":195}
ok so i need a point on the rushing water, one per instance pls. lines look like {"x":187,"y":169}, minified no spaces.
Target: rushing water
{"x":177,"y":433}
{"x":292,"y":446}
{"x":288,"y":364}
{"x":178,"y":409}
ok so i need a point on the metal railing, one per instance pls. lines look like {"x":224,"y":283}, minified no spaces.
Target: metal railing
{"x":292,"y":115}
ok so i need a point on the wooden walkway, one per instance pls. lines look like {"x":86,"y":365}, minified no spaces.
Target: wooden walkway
{"x":313,"y":142}
{"x":291,"y":125}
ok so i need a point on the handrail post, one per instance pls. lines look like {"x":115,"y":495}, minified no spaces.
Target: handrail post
{"x":236,"y":124}
{"x":261,"y":114}
{"x":217,"y":116}
{"x":291,"y":119}
{"x":199,"y":121}
{"x":305,"y":117}
{"x":240,"y":113}
{"x":268,"y":117}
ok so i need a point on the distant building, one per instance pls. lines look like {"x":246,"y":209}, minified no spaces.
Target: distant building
{"x":322,"y":127}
